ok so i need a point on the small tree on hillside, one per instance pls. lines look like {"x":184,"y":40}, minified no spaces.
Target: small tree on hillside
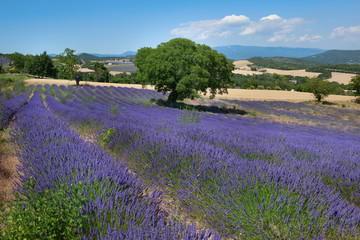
{"x":320,"y":88}
{"x":184,"y":69}
{"x":355,"y":85}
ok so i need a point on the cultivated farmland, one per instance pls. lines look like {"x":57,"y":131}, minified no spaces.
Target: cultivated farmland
{"x":123,"y":167}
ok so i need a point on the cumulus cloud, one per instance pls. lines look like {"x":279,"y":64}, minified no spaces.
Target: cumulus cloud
{"x":308,"y":38}
{"x":207,"y":28}
{"x":273,"y":27}
{"x":350,"y":33}
{"x":278,"y":38}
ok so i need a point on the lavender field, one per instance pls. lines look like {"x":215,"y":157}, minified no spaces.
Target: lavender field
{"x":122,"y":167}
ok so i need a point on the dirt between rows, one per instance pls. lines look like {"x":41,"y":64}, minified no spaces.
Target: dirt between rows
{"x":8,"y":163}
{"x":240,"y":94}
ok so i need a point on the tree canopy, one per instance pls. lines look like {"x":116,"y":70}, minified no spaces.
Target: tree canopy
{"x":67,"y":64}
{"x":101,"y":72}
{"x":185,"y":69}
{"x":319,"y":87}
{"x":41,"y":65}
{"x":19,"y":61}
{"x":355,"y":85}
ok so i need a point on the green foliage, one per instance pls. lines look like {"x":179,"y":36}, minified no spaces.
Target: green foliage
{"x":345,"y":57}
{"x":9,"y":83}
{"x":298,"y":63}
{"x":52,"y":214}
{"x":41,"y":65}
{"x":105,"y":137}
{"x":67,"y":64}
{"x":189,"y":115}
{"x":101,"y":72}
{"x":268,"y":81}
{"x":282,"y":63}
{"x":345,"y":68}
{"x":126,"y":78}
{"x":320,"y":88}
{"x":355,"y":85}
{"x":185,"y":69}
{"x":114,"y":109}
{"x":19,"y":61}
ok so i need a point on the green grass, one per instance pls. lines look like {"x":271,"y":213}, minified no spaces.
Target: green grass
{"x":10,"y":82}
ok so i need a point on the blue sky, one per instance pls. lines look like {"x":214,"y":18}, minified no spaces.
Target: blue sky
{"x":118,"y":26}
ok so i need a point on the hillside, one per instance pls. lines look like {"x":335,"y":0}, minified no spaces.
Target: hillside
{"x":337,"y":57}
{"x":283,"y":63}
{"x":237,"y":52}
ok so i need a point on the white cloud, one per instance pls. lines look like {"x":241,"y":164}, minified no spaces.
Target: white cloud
{"x":225,"y":34}
{"x":272,"y":27}
{"x":308,"y":38}
{"x":349,"y":34}
{"x":233,"y":19}
{"x":207,"y":28}
{"x":271,"y":17}
{"x":273,"y":24}
{"x":278,"y":38}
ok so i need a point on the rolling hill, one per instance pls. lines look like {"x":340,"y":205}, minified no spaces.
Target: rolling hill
{"x":337,"y":57}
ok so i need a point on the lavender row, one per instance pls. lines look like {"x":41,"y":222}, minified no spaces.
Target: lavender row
{"x":114,"y":204}
{"x":329,"y":116}
{"x":8,"y":108}
{"x":129,"y":131}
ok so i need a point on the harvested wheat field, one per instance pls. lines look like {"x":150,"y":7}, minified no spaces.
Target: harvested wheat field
{"x":273,"y":95}
{"x":243,"y":94}
{"x":343,"y":78}
{"x":241,"y":67}
{"x":65,"y":82}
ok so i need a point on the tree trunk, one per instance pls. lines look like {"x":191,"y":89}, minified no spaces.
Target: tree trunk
{"x":173,"y":96}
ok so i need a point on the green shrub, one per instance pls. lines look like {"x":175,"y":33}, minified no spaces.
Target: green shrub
{"x":52,"y":214}
{"x":114,"y":109}
{"x":189,"y":116}
{"x":105,"y":137}
{"x":277,"y":88}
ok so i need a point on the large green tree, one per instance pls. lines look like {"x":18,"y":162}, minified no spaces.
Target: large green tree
{"x":42,"y":66}
{"x":67,"y":64}
{"x":185,"y":69}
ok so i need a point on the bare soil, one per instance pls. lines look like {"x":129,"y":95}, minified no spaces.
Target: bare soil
{"x":8,"y":163}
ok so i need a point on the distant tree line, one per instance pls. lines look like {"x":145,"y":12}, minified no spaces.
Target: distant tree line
{"x":283,"y":63}
{"x":282,"y":82}
{"x":64,"y":66}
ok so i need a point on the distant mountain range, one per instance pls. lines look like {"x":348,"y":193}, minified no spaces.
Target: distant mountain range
{"x":128,"y":53}
{"x":238,"y":52}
